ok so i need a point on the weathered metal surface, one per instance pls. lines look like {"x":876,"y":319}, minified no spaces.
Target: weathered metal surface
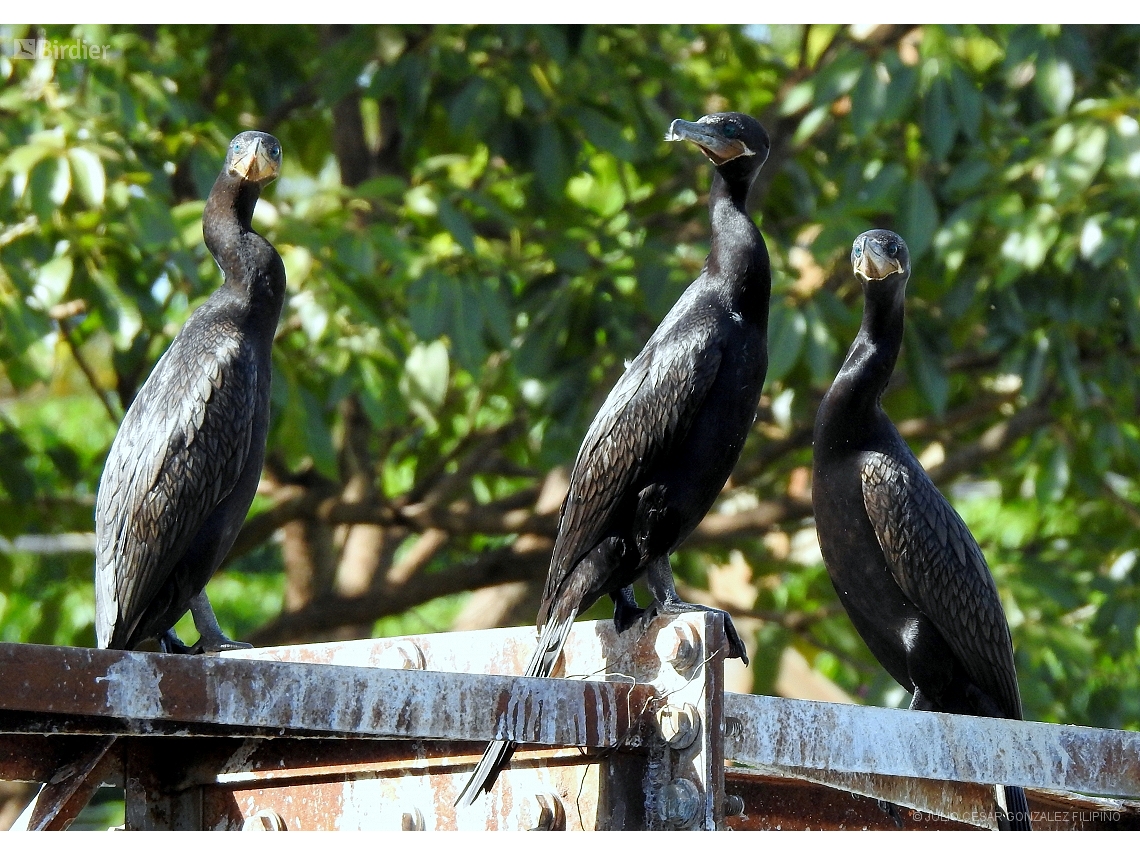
{"x":360,"y":735}
{"x":927,"y":800}
{"x":847,"y":738}
{"x":1051,"y":811}
{"x":593,"y":651}
{"x":139,"y":688}
{"x":362,"y":784}
{"x":61,"y":799}
{"x":37,"y":757}
{"x":788,"y":804}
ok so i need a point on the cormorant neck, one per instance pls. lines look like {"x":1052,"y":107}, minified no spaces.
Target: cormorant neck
{"x":254,"y":273}
{"x":738,"y":256}
{"x":871,"y":360}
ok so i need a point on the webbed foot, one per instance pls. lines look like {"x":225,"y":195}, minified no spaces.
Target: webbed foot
{"x":211,"y":639}
{"x":736,"y":648}
{"x":168,"y":642}
{"x":626,"y":610}
{"x":218,"y":643}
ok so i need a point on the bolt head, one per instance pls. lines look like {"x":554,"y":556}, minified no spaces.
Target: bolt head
{"x":680,"y":803}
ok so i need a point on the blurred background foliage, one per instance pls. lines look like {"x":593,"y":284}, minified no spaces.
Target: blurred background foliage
{"x":480,"y":224}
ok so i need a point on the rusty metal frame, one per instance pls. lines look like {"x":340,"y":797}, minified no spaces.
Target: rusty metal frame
{"x":382,"y":733}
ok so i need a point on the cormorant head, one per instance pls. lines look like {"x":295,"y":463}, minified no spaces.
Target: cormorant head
{"x":255,"y":157}
{"x":880,"y":255}
{"x":724,"y":137}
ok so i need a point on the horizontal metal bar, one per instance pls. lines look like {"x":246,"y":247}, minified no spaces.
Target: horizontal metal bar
{"x":847,"y":738}
{"x":140,"y":688}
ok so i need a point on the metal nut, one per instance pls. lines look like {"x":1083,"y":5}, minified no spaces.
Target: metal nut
{"x":412,"y":820}
{"x":680,"y":646}
{"x":679,"y":726}
{"x":680,"y":803}
{"x":264,"y":820}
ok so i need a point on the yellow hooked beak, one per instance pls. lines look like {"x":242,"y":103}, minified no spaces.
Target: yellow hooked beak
{"x":872,"y":262}
{"x":255,"y":163}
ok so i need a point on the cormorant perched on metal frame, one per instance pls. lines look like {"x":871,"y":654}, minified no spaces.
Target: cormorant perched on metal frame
{"x":184,"y":466}
{"x":907,"y":569}
{"x":666,"y":439}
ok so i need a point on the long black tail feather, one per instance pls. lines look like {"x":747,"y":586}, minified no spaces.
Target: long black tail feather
{"x":498,"y":753}
{"x":1017,"y":817}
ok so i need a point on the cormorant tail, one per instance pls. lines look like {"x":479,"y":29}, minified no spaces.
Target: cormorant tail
{"x":498,"y":753}
{"x":1017,"y":807}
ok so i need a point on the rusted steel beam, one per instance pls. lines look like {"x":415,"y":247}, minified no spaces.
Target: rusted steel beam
{"x":848,"y":738}
{"x":925,"y":800}
{"x":36,"y":757}
{"x":788,"y":804}
{"x":137,"y":689}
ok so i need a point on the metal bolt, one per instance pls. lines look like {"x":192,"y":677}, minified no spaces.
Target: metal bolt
{"x":679,"y":726}
{"x":543,"y":812}
{"x":405,"y":656}
{"x":264,"y":820}
{"x":412,"y":820}
{"x":680,"y":646}
{"x":680,"y":803}
{"x":733,"y":805}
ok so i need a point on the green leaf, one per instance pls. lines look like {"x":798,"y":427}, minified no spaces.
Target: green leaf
{"x":549,"y":159}
{"x":1054,"y":478}
{"x":869,"y":99}
{"x":50,"y":185}
{"x":939,"y":124}
{"x":425,"y":378}
{"x":52,"y":281}
{"x":605,"y":133}
{"x":22,"y":158}
{"x":967,"y":102}
{"x":1055,"y":84}
{"x":90,"y":180}
{"x":787,"y":329}
{"x":918,"y":218}
{"x":456,"y":222}
{"x":925,"y":369}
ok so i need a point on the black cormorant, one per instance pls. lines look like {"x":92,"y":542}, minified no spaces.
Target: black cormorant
{"x":185,"y":463}
{"x":667,"y":437}
{"x":906,"y":568}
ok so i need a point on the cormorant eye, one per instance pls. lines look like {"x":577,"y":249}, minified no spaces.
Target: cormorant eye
{"x":236,"y":146}
{"x":275,"y":151}
{"x":892,"y":249}
{"x":731,"y":129}
{"x":857,"y":251}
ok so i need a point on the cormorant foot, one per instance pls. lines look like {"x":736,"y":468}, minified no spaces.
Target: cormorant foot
{"x":168,"y":642}
{"x":216,"y":644}
{"x":626,"y":611}
{"x":736,"y":648}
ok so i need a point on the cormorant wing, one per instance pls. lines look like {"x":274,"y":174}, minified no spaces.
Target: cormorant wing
{"x":941,"y":569}
{"x":178,"y":454}
{"x":648,"y":410}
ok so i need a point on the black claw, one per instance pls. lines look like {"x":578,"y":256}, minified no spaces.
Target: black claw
{"x":626,"y":616}
{"x":168,"y":642}
{"x":217,"y":645}
{"x":735,"y":647}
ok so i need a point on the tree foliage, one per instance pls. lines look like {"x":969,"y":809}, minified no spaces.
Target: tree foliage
{"x":480,"y":224}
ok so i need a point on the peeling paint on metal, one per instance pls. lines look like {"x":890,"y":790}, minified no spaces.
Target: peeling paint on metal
{"x":848,"y":738}
{"x":133,"y":683}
